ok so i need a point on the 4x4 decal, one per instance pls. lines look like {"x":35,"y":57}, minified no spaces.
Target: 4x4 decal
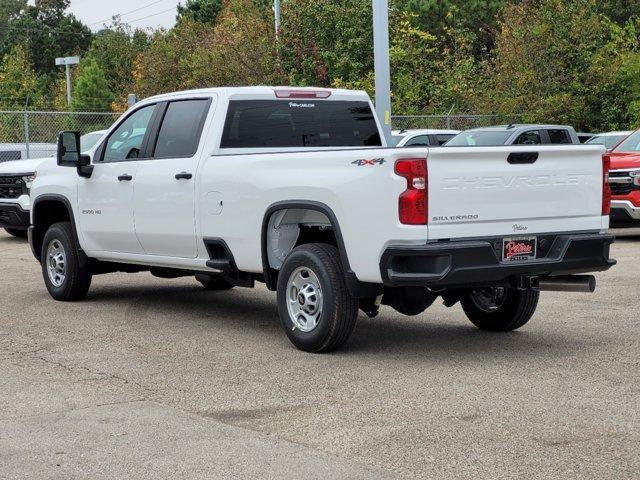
{"x":372,"y":162}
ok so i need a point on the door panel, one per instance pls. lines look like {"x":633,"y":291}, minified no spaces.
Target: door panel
{"x":105,"y":208}
{"x":164,"y":208}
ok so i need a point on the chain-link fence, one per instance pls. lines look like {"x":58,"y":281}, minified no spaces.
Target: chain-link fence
{"x":450,"y":122}
{"x":33,"y":134}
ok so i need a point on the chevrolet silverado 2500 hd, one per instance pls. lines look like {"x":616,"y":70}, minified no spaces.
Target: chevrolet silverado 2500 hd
{"x":296,"y":188}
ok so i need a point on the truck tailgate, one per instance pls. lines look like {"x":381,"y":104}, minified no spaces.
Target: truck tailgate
{"x":499,"y":191}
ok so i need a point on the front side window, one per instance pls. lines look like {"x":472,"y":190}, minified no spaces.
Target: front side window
{"x":88,"y":140}
{"x":419,"y":141}
{"x":299,"y":123}
{"x":559,"y":137}
{"x":125,"y":143}
{"x":529,"y":138}
{"x":181,"y":128}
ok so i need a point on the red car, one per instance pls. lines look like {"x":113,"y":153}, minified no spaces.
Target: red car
{"x":624,"y":179}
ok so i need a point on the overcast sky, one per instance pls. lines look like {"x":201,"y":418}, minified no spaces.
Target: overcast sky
{"x":138,"y":13}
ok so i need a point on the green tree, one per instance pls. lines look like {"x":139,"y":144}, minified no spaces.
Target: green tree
{"x":115,"y":51}
{"x":8,"y":10}
{"x":613,"y":82}
{"x":205,"y":11}
{"x":238,"y":50}
{"x":20,"y":85}
{"x":478,"y":17}
{"x":48,"y":33}
{"x":541,"y":63}
{"x":620,"y":11}
{"x":91,"y":92}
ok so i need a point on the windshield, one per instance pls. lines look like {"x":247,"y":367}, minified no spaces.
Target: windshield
{"x":608,"y":141}
{"x":481,"y":138}
{"x":631,"y":144}
{"x":89,"y":140}
{"x":396,"y":139}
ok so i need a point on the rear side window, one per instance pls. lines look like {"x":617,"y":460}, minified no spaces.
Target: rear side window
{"x":558,"y":136}
{"x":419,"y":141}
{"x":181,"y":128}
{"x":300,"y":123}
{"x":531,"y":137}
{"x":443,"y":138}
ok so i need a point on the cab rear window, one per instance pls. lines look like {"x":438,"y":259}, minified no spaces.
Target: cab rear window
{"x":299,"y":123}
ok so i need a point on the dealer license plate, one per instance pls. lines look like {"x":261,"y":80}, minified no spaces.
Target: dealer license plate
{"x":519,"y":249}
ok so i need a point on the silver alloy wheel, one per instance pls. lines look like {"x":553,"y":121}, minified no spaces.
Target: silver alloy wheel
{"x":56,"y":263}
{"x":304,"y":299}
{"x":489,"y":300}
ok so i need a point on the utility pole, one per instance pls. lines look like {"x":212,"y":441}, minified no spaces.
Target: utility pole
{"x":381,"y":64}
{"x":68,"y":62}
{"x":276,"y":11}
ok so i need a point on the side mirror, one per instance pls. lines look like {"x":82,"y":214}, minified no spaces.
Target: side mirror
{"x":68,"y":154}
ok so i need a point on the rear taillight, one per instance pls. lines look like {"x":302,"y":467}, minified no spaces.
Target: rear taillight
{"x":606,"y":188}
{"x":412,"y":204}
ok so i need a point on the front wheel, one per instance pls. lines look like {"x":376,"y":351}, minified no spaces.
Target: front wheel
{"x":65,"y":278}
{"x":317,"y":311}
{"x":16,"y":233}
{"x":500,"y":309}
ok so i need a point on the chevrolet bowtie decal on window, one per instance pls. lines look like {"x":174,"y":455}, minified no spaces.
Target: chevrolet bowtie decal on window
{"x":370,"y":163}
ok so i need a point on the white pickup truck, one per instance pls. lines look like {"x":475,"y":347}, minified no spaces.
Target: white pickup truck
{"x":294,"y":187}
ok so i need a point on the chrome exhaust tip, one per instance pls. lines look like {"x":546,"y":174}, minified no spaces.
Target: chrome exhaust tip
{"x":568,"y":283}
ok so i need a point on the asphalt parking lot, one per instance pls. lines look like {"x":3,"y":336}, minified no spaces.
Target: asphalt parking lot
{"x":154,"y":378}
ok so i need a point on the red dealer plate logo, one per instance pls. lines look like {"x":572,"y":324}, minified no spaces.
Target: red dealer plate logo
{"x":519,"y":249}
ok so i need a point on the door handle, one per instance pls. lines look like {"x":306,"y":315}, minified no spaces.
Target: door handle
{"x":183,"y":176}
{"x":522,"y":158}
{"x":125,"y":178}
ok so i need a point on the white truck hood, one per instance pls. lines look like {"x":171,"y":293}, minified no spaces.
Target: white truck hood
{"x":23,"y":166}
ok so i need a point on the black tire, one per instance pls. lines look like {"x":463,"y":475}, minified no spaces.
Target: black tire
{"x":77,"y":280}
{"x":214,"y":283}
{"x":513,"y":310}
{"x":16,"y":233}
{"x":339,"y":310}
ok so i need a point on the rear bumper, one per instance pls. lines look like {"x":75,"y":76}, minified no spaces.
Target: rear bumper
{"x":12,"y":215}
{"x":478,"y":262}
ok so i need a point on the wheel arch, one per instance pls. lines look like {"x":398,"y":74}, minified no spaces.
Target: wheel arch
{"x":271,"y":274}
{"x":45,"y":211}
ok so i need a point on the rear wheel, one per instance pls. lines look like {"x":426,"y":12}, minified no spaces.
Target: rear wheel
{"x":16,"y":233}
{"x":500,"y":309}
{"x":317,"y":312}
{"x":64,"y":277}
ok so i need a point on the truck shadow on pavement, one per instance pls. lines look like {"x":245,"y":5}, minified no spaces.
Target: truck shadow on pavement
{"x":243,"y":312}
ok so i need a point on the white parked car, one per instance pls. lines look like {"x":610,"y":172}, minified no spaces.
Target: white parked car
{"x":16,"y":178}
{"x":18,"y":151}
{"x":295,"y":188}
{"x":609,"y":139}
{"x":422,"y":138}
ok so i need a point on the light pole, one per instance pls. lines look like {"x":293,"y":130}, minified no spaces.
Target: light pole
{"x":276,"y":11}
{"x":67,"y":62}
{"x":381,"y":64}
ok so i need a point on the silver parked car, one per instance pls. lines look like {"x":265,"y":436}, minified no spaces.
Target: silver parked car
{"x":516,"y":134}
